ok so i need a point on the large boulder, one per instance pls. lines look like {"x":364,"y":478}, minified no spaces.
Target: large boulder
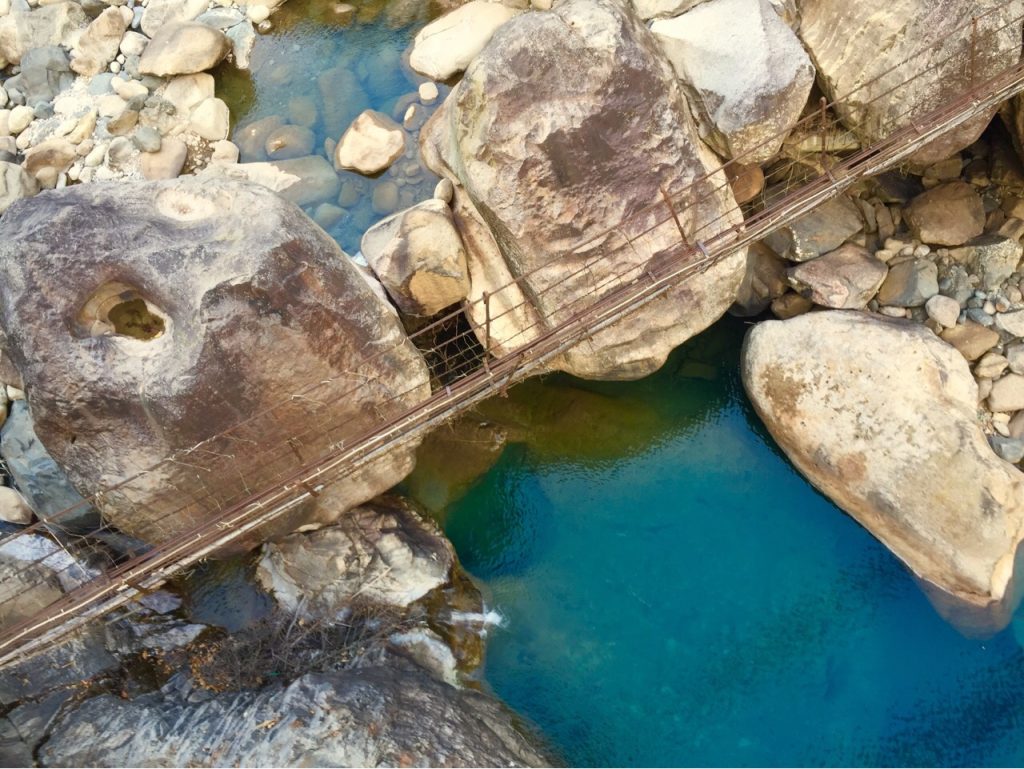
{"x":382,"y":552}
{"x":419,"y":258}
{"x":562,"y":138}
{"x":183,"y":48}
{"x":148,"y":317}
{"x":890,"y":61}
{"x":895,"y":441}
{"x":746,"y":72}
{"x":377,"y":716}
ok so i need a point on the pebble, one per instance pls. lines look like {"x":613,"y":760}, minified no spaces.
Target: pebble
{"x":1007,"y":394}
{"x":4,"y":98}
{"x":428,"y":93}
{"x":20,"y":119}
{"x":991,"y":365}
{"x":225,"y":151}
{"x":147,"y":139}
{"x":1015,"y":357}
{"x":14,"y":393}
{"x":119,"y":151}
{"x":893,"y":312}
{"x":979,"y":316}
{"x":128,"y":89}
{"x":258,"y":14}
{"x":942,"y":309}
{"x":1010,"y":449}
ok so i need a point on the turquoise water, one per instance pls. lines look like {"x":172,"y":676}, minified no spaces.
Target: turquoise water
{"x":678,"y":595}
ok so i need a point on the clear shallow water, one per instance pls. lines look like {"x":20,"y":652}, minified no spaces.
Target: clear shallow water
{"x":676,"y":594}
{"x":318,"y":69}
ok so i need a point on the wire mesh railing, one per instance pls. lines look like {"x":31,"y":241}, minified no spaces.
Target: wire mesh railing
{"x":227,"y":487}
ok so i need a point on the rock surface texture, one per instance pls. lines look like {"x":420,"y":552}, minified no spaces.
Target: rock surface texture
{"x":371,"y":717}
{"x":173,"y":313}
{"x":895,"y":441}
{"x":859,"y":49}
{"x":746,"y":72}
{"x":560,"y":139}
{"x":419,"y":258}
{"x":381,"y":552}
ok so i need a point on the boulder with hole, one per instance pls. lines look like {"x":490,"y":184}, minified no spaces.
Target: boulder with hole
{"x":147,"y":318}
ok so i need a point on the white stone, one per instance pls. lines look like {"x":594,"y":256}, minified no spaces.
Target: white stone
{"x":211,"y":119}
{"x":20,"y":119}
{"x":128,"y":89}
{"x":428,"y":93}
{"x":943,"y":310}
{"x":370,"y":145}
{"x":186,"y":92}
{"x":133,"y":43}
{"x":447,"y":45}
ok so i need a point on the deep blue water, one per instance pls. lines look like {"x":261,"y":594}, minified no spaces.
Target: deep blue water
{"x":682,"y":597}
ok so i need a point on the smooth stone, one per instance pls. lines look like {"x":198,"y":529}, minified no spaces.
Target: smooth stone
{"x":147,"y":139}
{"x":910,"y":284}
{"x":99,"y":44}
{"x":1007,"y":393}
{"x":444,"y":190}
{"x":165,"y":163}
{"x":419,"y":257}
{"x":14,"y":508}
{"x":370,"y":145}
{"x":15,"y":184}
{"x":290,"y":141}
{"x":385,"y":198}
{"x":159,"y":14}
{"x":184,"y":48}
{"x":991,"y":366}
{"x":943,"y":310}
{"x":1008,"y":448}
{"x":817,"y":232}
{"x":211,"y":119}
{"x":447,"y":45}
{"x":1015,"y":357}
{"x":427,"y":92}
{"x":252,"y":138}
{"x":1011,"y":322}
{"x":971,"y":339}
{"x":186,"y":92}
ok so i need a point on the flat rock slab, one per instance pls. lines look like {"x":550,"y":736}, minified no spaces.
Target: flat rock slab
{"x":894,"y":440}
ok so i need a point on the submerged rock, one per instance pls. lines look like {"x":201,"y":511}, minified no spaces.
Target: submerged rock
{"x":895,"y":441}
{"x":370,"y":145}
{"x":747,"y":73}
{"x":899,"y":59}
{"x":167,"y":318}
{"x":562,"y":137}
{"x":377,"y":716}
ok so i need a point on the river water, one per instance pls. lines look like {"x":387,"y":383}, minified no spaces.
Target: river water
{"x":673,"y":592}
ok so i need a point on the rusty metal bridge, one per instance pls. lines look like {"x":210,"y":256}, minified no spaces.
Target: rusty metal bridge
{"x":232,"y":498}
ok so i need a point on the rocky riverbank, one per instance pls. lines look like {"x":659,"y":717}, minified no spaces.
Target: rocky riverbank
{"x":157,"y":292}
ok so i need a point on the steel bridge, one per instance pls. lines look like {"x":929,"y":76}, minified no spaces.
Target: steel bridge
{"x":232,"y":498}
